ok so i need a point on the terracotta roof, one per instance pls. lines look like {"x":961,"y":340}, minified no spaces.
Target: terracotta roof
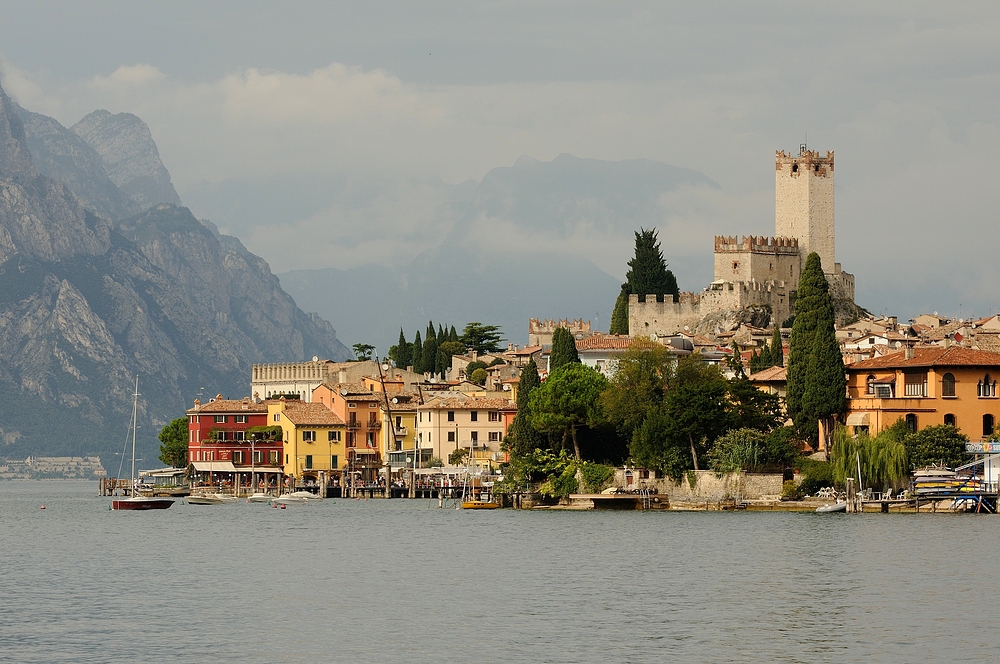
{"x":231,"y":405}
{"x":528,"y":350}
{"x":603,"y":343}
{"x":769,"y":375}
{"x":469,"y":403}
{"x":311,"y":413}
{"x":933,"y":356}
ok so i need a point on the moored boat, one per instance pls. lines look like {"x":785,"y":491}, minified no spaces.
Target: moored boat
{"x":211,"y":499}
{"x":134,"y":501}
{"x":832,"y":509}
{"x":479,"y":505}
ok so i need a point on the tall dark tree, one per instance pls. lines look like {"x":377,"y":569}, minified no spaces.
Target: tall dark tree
{"x":619,"y":317}
{"x":417,"y":355}
{"x":453,"y":335}
{"x":524,"y":437}
{"x":482,"y":338}
{"x":174,"y":443}
{"x":813,"y":310}
{"x":825,"y":396}
{"x":430,"y":354}
{"x":402,"y":352}
{"x":648,"y":273}
{"x":563,"y":349}
{"x":567,"y":401}
{"x":777,"y":351}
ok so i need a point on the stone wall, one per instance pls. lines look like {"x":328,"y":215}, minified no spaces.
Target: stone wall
{"x":707,"y":486}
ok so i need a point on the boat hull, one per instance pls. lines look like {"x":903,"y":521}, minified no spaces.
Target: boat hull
{"x":211,"y":500}
{"x":479,"y":505}
{"x":832,"y":509}
{"x":141,"y":503}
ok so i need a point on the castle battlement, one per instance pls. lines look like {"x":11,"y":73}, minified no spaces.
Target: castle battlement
{"x":812,"y":159}
{"x":757,"y":244}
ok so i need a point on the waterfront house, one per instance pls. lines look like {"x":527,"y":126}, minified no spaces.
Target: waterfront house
{"x":448,"y":422}
{"x":925,"y":386}
{"x":226,"y":441}
{"x":313,"y":449}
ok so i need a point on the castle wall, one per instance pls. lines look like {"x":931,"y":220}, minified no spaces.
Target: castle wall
{"x":803,"y":189}
{"x":540,"y":331}
{"x":757,"y":258}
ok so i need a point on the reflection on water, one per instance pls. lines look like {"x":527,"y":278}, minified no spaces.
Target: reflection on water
{"x":401,"y":580}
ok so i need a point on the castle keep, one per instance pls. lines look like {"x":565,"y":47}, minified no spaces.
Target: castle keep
{"x":758,"y":271}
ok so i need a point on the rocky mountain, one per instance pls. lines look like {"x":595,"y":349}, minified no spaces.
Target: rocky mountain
{"x":86,"y":303}
{"x":130,"y":156}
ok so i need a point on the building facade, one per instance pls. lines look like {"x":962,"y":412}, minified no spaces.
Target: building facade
{"x":313,"y":447}
{"x":447,"y":423}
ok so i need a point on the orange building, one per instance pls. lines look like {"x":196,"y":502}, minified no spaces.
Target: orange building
{"x":926,"y":386}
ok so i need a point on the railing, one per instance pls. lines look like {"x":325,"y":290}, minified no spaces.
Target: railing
{"x":374,"y":424}
{"x":353,"y":424}
{"x":400,"y":432}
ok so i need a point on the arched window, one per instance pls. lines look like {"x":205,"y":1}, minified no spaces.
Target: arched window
{"x":870,"y":381}
{"x":911,"y":422}
{"x":948,"y":385}
{"x":988,"y":423}
{"x":949,"y":419}
{"x":987,"y":387}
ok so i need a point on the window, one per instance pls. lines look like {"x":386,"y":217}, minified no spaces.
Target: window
{"x":988,"y":425}
{"x":258,"y":456}
{"x":277,"y":417}
{"x":474,"y":436}
{"x":238,"y":457}
{"x":911,"y":422}
{"x":272,"y":458}
{"x":309,"y":462}
{"x":987,"y":387}
{"x":352,"y":405}
{"x":474,"y":416}
{"x":334,"y":462}
{"x":451,"y":416}
{"x":949,"y":419}
{"x":286,"y":458}
{"x":220,"y":419}
{"x":883,"y":391}
{"x":240,"y":419}
{"x":451,"y":436}
{"x":494,"y":436}
{"x":948,"y":386}
{"x":736,"y":266}
{"x":333,"y":436}
{"x":915,"y":384}
{"x":494,"y":416}
{"x":239,"y":435}
{"x":190,"y":435}
{"x":308,"y":436}
{"x":870,"y":382}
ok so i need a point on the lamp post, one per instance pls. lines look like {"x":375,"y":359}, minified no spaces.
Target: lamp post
{"x":413,"y":477}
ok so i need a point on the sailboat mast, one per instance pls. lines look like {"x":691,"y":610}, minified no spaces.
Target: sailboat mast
{"x":135,"y":411}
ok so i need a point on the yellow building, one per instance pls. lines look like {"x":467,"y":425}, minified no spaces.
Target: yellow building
{"x":926,"y":386}
{"x":397,"y":441}
{"x":313,"y":439}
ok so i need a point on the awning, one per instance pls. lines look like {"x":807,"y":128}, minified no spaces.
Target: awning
{"x":857,"y":420}
{"x":214,"y":466}
{"x":362,"y":450}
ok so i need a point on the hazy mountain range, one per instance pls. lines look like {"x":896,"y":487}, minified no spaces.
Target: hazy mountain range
{"x":103,"y":276}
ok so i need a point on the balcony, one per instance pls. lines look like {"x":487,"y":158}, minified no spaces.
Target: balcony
{"x":374,"y":425}
{"x":901,"y":404}
{"x":353,"y":425}
{"x":400,"y":432}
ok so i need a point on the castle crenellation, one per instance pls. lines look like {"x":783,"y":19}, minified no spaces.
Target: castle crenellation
{"x":757,"y":244}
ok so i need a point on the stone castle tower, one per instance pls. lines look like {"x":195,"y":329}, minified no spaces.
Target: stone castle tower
{"x":759,"y":271}
{"x":803,"y":202}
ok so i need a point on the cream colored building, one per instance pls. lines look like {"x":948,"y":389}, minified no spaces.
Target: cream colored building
{"x":448,"y":422}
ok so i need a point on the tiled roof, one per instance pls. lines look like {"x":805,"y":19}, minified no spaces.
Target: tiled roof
{"x":230,"y":406}
{"x":310,"y":413}
{"x":528,"y":350}
{"x":469,"y":403}
{"x":932,"y":356}
{"x":603,"y":343}
{"x":769,"y":375}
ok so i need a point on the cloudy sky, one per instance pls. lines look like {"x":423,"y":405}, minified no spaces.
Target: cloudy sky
{"x":294,"y":124}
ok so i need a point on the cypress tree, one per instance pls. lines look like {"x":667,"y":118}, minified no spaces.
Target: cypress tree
{"x":648,"y":273}
{"x":404,"y":352}
{"x":453,"y":336}
{"x":813,"y":309}
{"x":524,"y":438}
{"x":825,"y":396}
{"x":619,"y":317}
{"x":430,"y":354}
{"x":777,"y":352}
{"x":563,"y":349}
{"x":417,"y":354}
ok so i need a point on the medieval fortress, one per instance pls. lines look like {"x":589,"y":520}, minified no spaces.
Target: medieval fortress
{"x":757,"y":271}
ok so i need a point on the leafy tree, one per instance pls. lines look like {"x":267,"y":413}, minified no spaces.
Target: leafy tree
{"x":882,"y":458}
{"x":738,"y":450}
{"x":942,"y":443}
{"x":479,"y":376}
{"x":402,"y":353}
{"x":449,"y":349}
{"x":752,"y":408}
{"x":458,"y":456}
{"x":363,"y":351}
{"x":482,"y":338}
{"x":638,"y":386}
{"x":435,"y":462}
{"x":619,"y":317}
{"x":696,"y":405}
{"x":567,"y":401}
{"x":563,"y":349}
{"x":648,"y":273}
{"x":813,"y":310}
{"x":174,"y":443}
{"x":735,"y":361}
{"x":417,"y":354}
{"x":524,"y":437}
{"x":653,"y":446}
{"x":782,"y":448}
{"x":472,"y":367}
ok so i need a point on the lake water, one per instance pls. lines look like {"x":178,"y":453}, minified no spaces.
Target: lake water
{"x":401,"y":580}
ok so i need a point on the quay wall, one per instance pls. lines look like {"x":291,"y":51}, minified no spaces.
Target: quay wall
{"x":708,"y":486}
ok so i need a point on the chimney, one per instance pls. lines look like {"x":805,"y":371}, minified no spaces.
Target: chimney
{"x":908,"y":352}
{"x":342,"y":376}
{"x":892,"y":323}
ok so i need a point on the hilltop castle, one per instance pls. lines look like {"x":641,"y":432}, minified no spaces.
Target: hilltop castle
{"x":762,"y":272}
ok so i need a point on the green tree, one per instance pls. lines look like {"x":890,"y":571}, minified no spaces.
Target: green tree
{"x":648,"y":273}
{"x":735,"y":361}
{"x":471,"y":368}
{"x":638,"y":385}
{"x":402,"y":352}
{"x":653,"y":446}
{"x":482,"y":338}
{"x":825,"y":396}
{"x":738,"y":450}
{"x":752,"y":408}
{"x":777,"y":350}
{"x":696,"y":405}
{"x":563,"y":349}
{"x":453,"y":335}
{"x":429,"y":355}
{"x":568,"y":400}
{"x":934,"y":445}
{"x":417,"y":354}
{"x":524,"y":437}
{"x":479,"y":376}
{"x":882,"y":458}
{"x":619,"y":317}
{"x":363,"y":351}
{"x":449,"y":349}
{"x":813,"y":311}
{"x":458,"y":456}
{"x":174,"y":443}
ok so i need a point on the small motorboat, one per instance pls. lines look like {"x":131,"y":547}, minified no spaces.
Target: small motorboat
{"x":832,"y":509}
{"x":210,"y":499}
{"x":305,"y":494}
{"x":260,"y":498}
{"x":479,"y":505}
{"x":290,"y":498}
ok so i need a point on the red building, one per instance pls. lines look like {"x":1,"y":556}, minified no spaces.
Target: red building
{"x":220,"y":442}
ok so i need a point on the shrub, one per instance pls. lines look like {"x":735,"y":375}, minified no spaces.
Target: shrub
{"x":790,"y":491}
{"x":479,"y":376}
{"x":596,"y":476}
{"x":815,"y":475}
{"x":435,"y":462}
{"x":937,"y":444}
